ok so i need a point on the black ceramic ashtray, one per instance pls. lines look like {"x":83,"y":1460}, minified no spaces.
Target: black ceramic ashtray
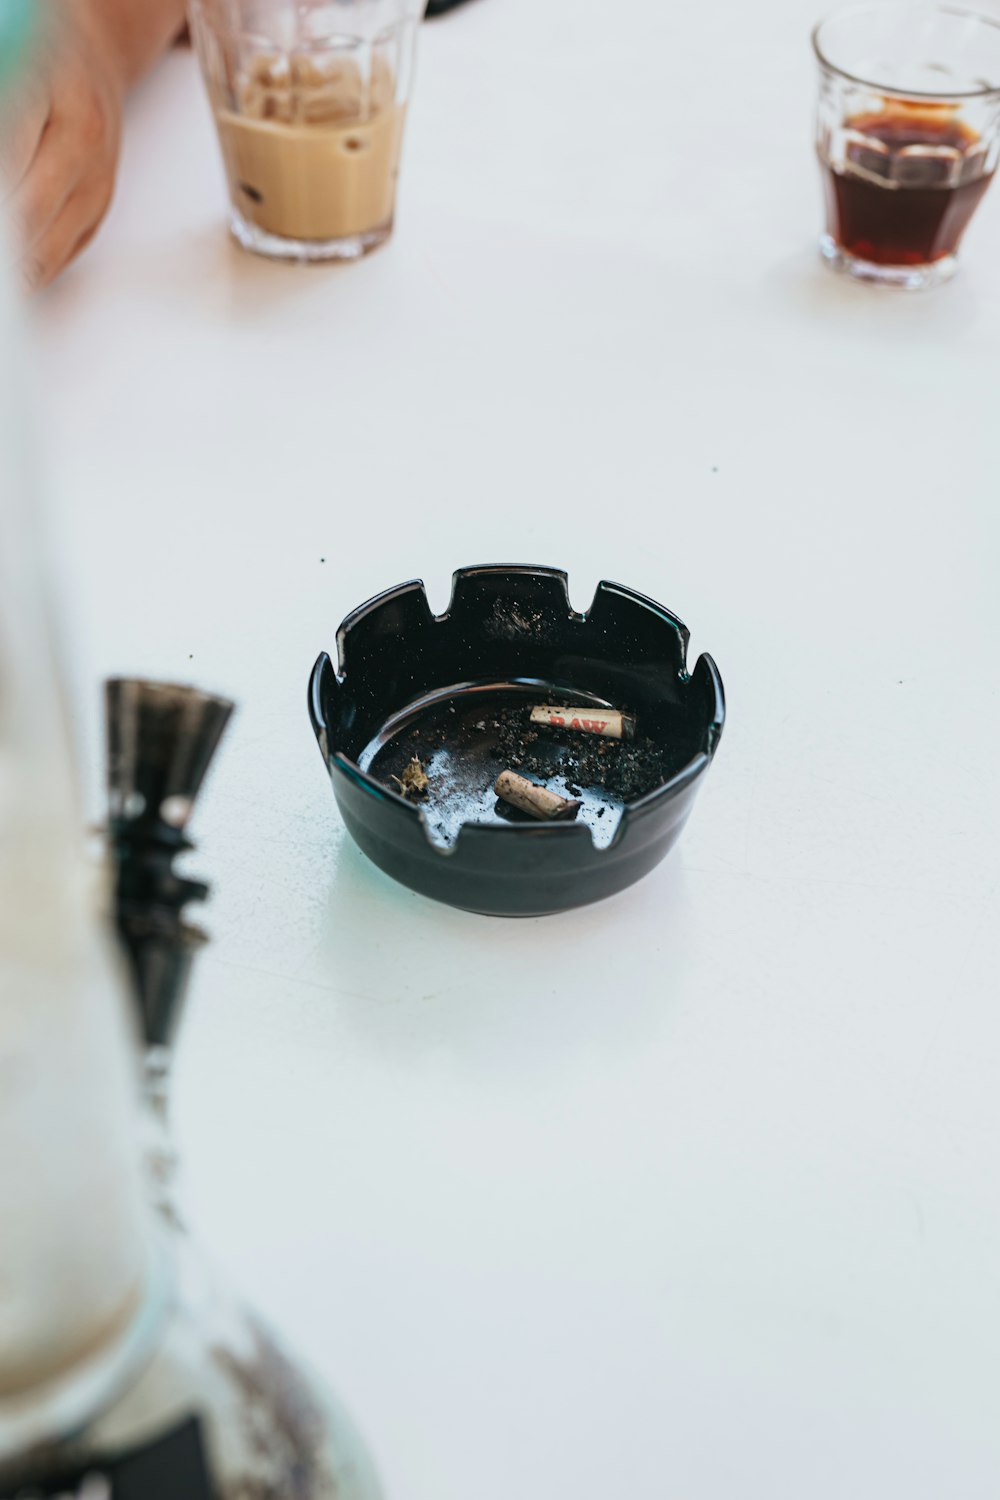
{"x":425,"y":712}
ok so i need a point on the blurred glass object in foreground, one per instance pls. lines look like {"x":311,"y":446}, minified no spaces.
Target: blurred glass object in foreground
{"x":124,"y":1374}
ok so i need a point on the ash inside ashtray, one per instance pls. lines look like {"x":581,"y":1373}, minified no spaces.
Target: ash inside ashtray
{"x":627,"y":769}
{"x":464,"y":744}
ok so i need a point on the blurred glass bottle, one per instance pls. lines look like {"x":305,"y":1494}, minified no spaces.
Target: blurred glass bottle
{"x":123,"y":1376}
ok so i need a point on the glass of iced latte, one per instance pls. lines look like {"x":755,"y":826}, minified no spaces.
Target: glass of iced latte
{"x":309,"y":98}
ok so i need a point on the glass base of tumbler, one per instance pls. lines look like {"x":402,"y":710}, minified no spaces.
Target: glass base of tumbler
{"x":906,"y":278}
{"x":313,"y":252}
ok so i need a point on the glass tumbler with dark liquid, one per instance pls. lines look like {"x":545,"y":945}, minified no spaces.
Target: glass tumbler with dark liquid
{"x":908,"y":136}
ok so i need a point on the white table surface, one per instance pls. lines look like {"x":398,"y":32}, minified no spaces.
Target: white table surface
{"x":692,"y":1195}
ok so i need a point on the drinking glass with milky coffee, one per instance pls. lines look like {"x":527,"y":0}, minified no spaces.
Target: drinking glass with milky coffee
{"x":309,"y":98}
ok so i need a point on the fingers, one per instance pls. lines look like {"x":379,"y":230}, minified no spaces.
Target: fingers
{"x":24,"y":114}
{"x":66,"y":190}
{"x":78,"y":137}
{"x":72,"y":230}
{"x":22,"y":126}
{"x":51,"y":179}
{"x":60,"y":140}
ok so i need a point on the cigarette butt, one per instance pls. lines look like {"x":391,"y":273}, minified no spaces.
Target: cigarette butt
{"x":534,"y":799}
{"x":609,"y":723}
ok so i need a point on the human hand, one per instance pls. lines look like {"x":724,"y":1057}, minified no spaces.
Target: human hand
{"x":59,"y":141}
